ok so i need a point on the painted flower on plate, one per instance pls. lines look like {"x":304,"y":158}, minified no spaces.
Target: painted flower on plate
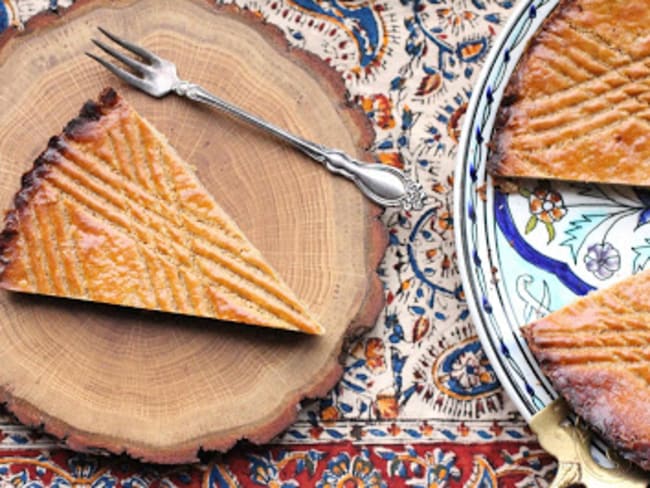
{"x":603,"y":260}
{"x":546,"y":206}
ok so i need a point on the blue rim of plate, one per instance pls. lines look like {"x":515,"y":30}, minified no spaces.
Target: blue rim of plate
{"x":474,"y":198}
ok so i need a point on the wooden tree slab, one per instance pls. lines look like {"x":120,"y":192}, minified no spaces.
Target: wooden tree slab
{"x":161,"y":387}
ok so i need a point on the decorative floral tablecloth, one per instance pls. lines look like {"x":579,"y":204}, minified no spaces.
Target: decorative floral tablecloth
{"x":419,"y":404}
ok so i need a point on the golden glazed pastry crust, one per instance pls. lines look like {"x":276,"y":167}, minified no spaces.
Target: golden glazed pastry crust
{"x":110,"y":213}
{"x":577,"y":106}
{"x":596,"y":351}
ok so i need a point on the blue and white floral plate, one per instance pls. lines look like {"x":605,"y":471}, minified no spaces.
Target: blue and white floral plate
{"x":524,"y":254}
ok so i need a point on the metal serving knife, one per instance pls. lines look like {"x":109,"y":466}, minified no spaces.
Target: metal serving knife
{"x":570,"y":444}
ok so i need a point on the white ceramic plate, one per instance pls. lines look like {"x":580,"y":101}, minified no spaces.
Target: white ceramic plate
{"x":517,"y":265}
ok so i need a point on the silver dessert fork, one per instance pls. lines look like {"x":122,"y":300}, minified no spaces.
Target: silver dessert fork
{"x":384,"y":185}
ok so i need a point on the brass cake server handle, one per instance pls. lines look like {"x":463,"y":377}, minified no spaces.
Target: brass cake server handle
{"x":570,"y":444}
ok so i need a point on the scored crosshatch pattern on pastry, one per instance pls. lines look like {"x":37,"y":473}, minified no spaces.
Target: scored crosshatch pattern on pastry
{"x":420,"y":376}
{"x":596,"y":348}
{"x":592,"y":106}
{"x":113,"y":177}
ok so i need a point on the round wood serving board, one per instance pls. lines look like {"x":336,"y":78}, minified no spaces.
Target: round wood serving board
{"x":158,"y":386}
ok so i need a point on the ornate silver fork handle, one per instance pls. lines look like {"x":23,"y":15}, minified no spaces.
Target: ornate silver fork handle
{"x":385,"y":185}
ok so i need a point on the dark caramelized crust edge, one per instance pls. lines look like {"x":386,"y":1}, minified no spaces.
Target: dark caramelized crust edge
{"x":90,"y":114}
{"x":586,"y":387}
{"x":498,"y":153}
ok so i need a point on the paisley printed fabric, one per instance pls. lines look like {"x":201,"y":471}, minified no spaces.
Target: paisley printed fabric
{"x":419,"y":404}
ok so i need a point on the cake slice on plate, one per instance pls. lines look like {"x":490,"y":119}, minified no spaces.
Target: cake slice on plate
{"x":596,"y":352}
{"x":110,"y":213}
{"x":577,"y":106}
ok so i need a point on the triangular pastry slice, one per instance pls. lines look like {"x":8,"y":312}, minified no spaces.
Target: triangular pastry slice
{"x":596,"y":351}
{"x":577,"y":106}
{"x":110,"y":213}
